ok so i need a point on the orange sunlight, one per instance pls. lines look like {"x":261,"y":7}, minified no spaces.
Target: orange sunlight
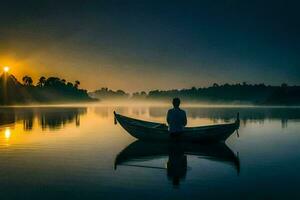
{"x":16,"y":67}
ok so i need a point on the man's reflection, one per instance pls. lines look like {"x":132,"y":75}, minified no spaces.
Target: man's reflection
{"x":177,"y":163}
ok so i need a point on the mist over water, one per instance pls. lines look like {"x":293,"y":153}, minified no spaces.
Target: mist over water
{"x":76,"y":152}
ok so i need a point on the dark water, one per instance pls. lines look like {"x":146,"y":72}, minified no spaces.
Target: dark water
{"x":78,"y":153}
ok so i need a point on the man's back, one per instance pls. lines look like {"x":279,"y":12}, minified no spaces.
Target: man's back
{"x":176,"y":119}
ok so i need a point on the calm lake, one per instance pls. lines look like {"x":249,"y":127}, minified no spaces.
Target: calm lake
{"x":76,"y":152}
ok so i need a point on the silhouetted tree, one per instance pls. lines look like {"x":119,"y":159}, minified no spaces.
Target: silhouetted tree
{"x":105,"y":93}
{"x":70,"y":85}
{"x":77,"y":83}
{"x":27,"y":80}
{"x":53,"y":82}
{"x":215,"y":85}
{"x":41,"y":82}
{"x":139,"y":95}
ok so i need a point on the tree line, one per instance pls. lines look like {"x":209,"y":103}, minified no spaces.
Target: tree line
{"x":55,"y":89}
{"x":226,"y":93}
{"x":50,"y":82}
{"x":47,"y":90}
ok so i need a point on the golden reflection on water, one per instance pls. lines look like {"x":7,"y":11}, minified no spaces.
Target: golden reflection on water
{"x":24,"y":128}
{"x":7,"y":133}
{"x":51,"y":124}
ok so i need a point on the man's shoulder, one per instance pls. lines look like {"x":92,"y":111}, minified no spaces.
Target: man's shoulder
{"x":176,"y":110}
{"x":171,"y":110}
{"x":183,"y":111}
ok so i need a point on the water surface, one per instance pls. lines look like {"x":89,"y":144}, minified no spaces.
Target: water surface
{"x":76,"y":152}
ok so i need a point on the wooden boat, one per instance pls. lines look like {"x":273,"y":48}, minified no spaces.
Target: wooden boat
{"x":152,"y":131}
{"x":140,"y":151}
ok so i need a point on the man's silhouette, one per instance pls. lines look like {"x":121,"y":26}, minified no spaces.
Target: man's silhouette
{"x":176,"y":119}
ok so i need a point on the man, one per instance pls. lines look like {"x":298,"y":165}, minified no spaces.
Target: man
{"x":176,"y":119}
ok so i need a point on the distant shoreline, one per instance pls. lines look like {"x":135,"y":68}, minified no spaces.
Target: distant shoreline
{"x":253,"y":94}
{"x":54,"y":90}
{"x":142,"y":104}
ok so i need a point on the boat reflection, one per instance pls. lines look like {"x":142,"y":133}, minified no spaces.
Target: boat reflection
{"x":177,"y":165}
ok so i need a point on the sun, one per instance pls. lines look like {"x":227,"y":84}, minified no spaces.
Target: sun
{"x":6,"y":68}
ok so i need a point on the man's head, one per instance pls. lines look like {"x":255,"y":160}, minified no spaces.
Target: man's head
{"x":176,"y":102}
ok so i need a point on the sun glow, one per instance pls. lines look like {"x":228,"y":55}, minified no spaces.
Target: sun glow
{"x":6,"y":69}
{"x":7,"y":133}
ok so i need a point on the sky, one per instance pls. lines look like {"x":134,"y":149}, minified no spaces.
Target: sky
{"x":142,"y":45}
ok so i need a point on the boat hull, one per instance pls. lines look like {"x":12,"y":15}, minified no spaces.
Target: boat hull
{"x":150,"y":131}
